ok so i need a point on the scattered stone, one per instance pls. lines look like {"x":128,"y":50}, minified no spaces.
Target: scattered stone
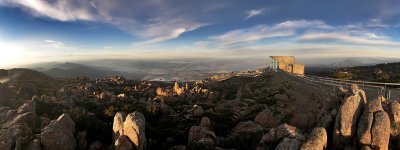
{"x":201,"y":138}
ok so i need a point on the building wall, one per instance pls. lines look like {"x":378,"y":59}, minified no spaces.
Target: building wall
{"x":285,"y":59}
{"x":298,"y":69}
{"x":283,"y":66}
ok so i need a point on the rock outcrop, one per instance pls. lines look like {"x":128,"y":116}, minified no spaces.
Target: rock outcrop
{"x":374,"y":126}
{"x":346,"y":120}
{"x":59,"y":134}
{"x":134,"y":129}
{"x":318,"y":140}
{"x":17,"y":126}
{"x":129,"y":132}
{"x":282,"y":131}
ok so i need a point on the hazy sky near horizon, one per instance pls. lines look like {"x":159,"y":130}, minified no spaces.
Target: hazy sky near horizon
{"x":65,"y":30}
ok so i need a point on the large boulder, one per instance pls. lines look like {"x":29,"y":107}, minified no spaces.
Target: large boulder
{"x":380,"y":131}
{"x":266,"y":119}
{"x":118,"y":125}
{"x":288,"y":144}
{"x":366,"y":120}
{"x":59,"y":134}
{"x":134,"y":129}
{"x":393,"y":110}
{"x":318,"y":140}
{"x":9,"y":137}
{"x":347,"y":117}
{"x":374,"y":126}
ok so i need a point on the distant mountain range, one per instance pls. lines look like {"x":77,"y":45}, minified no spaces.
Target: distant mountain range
{"x":169,"y":69}
{"x":330,"y":64}
{"x":386,"y":72}
{"x":186,"y":69}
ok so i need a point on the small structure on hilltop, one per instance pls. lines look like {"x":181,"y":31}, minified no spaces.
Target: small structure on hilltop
{"x":287,"y":64}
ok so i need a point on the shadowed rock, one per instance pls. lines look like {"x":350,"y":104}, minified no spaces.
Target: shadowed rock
{"x":346,"y":120}
{"x":283,"y":130}
{"x":266,"y":119}
{"x":202,"y":137}
{"x":288,"y":144}
{"x":123,"y":143}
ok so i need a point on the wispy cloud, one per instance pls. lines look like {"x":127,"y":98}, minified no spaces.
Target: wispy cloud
{"x":348,"y":38}
{"x":254,"y":12}
{"x":164,"y":23}
{"x":259,"y":32}
{"x":53,"y":44}
{"x":300,"y":31}
{"x":58,"y":10}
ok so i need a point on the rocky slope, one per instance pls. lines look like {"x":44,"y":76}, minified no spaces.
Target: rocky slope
{"x":268,"y":111}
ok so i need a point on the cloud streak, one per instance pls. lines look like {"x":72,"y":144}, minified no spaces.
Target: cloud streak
{"x":254,"y":12}
{"x":163,"y":24}
{"x":300,"y":31}
{"x":259,"y":32}
{"x":59,"y":10}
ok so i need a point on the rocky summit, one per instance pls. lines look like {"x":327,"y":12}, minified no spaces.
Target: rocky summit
{"x":261,"y":112}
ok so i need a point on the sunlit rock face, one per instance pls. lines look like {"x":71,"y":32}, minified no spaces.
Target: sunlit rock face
{"x":129,"y":131}
{"x":59,"y":134}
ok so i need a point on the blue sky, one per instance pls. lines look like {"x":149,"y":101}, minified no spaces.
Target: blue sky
{"x":66,"y":30}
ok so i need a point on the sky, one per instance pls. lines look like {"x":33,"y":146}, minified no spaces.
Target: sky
{"x":66,"y":30}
